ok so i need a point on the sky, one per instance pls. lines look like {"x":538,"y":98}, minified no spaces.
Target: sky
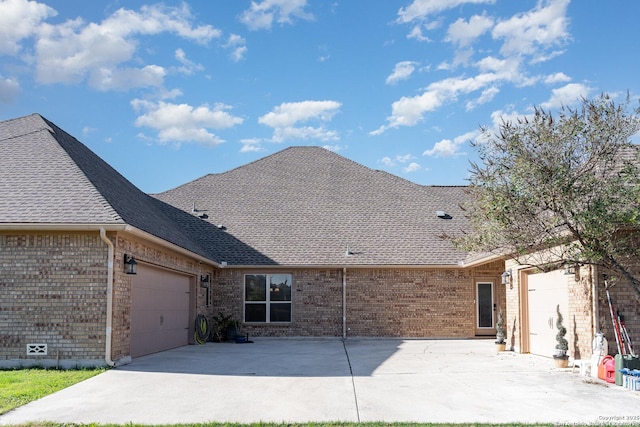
{"x":169,"y":92}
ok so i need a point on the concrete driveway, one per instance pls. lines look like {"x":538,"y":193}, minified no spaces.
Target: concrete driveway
{"x":302,"y":380}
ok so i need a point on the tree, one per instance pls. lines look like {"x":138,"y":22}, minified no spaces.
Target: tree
{"x":560,"y":190}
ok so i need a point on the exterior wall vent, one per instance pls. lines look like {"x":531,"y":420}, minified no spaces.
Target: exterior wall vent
{"x":36,"y":349}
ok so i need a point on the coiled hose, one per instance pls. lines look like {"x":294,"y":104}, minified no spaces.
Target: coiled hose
{"x":201,"y":335}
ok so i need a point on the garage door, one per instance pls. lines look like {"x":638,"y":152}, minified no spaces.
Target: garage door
{"x":545,"y":292}
{"x":159,"y":310}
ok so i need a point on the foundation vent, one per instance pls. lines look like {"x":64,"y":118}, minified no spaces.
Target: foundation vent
{"x":36,"y":349}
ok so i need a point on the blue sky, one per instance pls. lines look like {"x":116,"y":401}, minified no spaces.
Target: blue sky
{"x":169,"y":92}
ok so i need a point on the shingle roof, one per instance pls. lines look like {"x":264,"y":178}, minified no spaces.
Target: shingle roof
{"x":49,"y":177}
{"x":307,"y":205}
{"x":40,"y":183}
{"x":301,"y":206}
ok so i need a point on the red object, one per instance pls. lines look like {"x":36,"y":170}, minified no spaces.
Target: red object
{"x":607,"y":369}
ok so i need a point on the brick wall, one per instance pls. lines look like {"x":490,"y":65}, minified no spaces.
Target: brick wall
{"x":316,"y":299}
{"x":52,"y":291}
{"x":579,"y":322}
{"x":380,"y":302}
{"x":624,"y":300}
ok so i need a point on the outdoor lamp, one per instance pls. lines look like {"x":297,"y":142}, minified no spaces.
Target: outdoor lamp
{"x":204,"y":281}
{"x":506,"y":277}
{"x":130,"y":265}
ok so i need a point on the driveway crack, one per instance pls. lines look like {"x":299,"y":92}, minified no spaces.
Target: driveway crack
{"x":353,"y":381}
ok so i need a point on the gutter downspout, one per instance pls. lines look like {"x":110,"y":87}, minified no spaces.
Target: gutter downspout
{"x":107,"y":350}
{"x":344,"y":302}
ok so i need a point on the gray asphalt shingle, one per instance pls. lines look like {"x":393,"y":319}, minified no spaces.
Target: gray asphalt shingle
{"x":306,"y":205}
{"x":303,"y":206}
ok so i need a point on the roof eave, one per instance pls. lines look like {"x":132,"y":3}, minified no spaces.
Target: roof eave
{"x":43,"y":226}
{"x":166,"y":244}
{"x":339,"y":266}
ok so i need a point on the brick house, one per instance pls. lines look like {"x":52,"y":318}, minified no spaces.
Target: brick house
{"x":301,"y":243}
{"x":349,"y":250}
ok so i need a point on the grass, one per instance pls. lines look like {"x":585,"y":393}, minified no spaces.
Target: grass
{"x":21,"y":386}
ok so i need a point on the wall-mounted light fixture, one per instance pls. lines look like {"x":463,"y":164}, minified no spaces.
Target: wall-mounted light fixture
{"x":507,"y":277}
{"x":569,"y":269}
{"x":204,"y":281}
{"x":130,"y":265}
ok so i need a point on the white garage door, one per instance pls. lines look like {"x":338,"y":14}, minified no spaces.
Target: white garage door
{"x":545,"y":292}
{"x":159,"y":311}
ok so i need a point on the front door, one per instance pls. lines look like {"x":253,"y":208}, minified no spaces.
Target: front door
{"x":485,"y":308}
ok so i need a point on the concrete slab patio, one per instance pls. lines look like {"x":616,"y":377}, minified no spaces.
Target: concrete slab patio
{"x":359,"y":380}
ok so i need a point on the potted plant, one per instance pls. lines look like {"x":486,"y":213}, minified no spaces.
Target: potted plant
{"x":234,"y":329}
{"x":561,"y":359}
{"x":225,"y":328}
{"x":501,"y":332}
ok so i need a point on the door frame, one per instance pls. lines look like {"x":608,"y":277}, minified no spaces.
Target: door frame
{"x":484,"y":331}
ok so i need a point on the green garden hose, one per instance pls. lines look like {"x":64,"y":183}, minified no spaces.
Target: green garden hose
{"x":201,"y":335}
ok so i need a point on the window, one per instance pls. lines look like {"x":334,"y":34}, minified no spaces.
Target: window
{"x":267,"y":298}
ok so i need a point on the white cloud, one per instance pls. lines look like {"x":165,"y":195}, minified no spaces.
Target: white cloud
{"x":105,"y":78}
{"x":9,"y":89}
{"x":238,"y":46}
{"x":412,"y":167}
{"x":557,"y":78}
{"x":464,"y":33}
{"x":403,"y":159}
{"x":188,"y":67}
{"x":409,"y":111}
{"x":526,"y":33}
{"x":74,"y":51}
{"x":451,"y":148}
{"x":262,"y":14}
{"x":20,"y":19}
{"x":387,"y":162}
{"x":251,"y":145}
{"x":286,"y":118}
{"x":416,"y":33}
{"x":567,"y":95}
{"x":179,"y":123}
{"x":402,"y":71}
{"x":486,"y":96}
{"x":421,"y":9}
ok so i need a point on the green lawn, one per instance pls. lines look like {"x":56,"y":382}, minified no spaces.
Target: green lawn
{"x":21,"y":386}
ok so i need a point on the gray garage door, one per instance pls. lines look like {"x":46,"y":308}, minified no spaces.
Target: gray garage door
{"x":159,"y":310}
{"x":545,"y":292}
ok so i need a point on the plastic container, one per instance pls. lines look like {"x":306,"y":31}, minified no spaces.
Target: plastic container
{"x":607,"y":369}
{"x":625,"y":361}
